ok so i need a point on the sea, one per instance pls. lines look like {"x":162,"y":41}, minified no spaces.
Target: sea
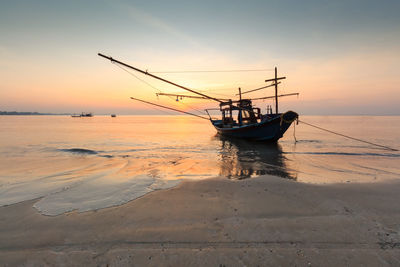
{"x":71,"y":164}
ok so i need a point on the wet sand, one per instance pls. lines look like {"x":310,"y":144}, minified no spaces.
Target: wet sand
{"x":266,"y":221}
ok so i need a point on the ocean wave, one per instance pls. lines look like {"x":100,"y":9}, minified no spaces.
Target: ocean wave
{"x":309,"y":141}
{"x":106,"y":156}
{"x":83,"y":151}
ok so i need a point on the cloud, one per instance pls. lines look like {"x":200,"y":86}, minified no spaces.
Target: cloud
{"x":157,"y":23}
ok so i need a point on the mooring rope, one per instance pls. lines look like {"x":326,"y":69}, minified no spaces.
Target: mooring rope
{"x":353,"y":138}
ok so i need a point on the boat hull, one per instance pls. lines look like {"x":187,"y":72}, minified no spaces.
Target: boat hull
{"x":270,"y":129}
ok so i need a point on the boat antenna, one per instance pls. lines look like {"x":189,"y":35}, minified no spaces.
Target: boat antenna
{"x":158,"y":78}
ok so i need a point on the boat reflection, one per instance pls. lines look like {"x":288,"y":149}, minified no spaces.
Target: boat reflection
{"x":241,"y":159}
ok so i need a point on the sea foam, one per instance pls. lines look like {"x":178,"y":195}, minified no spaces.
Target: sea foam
{"x":100,"y":193}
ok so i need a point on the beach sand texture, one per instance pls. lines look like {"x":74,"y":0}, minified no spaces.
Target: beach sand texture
{"x":265,"y":221}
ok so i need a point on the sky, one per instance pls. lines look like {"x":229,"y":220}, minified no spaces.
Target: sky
{"x":341,"y":56}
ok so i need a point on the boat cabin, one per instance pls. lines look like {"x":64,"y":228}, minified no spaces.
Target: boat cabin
{"x":246,"y":113}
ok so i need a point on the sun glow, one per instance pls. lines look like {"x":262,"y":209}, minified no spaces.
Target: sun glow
{"x":332,"y":69}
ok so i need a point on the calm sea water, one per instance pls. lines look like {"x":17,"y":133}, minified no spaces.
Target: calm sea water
{"x":90,"y":163}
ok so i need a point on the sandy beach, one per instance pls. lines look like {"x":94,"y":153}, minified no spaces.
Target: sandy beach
{"x":265,"y":221}
{"x":199,"y":133}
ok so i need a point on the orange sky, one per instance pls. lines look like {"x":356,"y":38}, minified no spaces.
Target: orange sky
{"x":50,"y":63}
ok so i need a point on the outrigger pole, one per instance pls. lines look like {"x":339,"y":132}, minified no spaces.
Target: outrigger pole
{"x":159,"y":78}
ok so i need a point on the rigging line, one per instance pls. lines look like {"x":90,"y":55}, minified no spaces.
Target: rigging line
{"x":213,"y":90}
{"x":187,"y":105}
{"x":122,"y":68}
{"x":206,"y":71}
{"x":221,"y":89}
{"x":181,"y":111}
{"x":200,"y":111}
{"x":172,"y":83}
{"x":225,"y":95}
{"x":356,"y":139}
{"x":260,"y":88}
{"x":158,"y":78}
{"x":164,"y":111}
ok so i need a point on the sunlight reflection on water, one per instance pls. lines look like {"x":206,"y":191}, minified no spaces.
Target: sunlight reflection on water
{"x":90,"y":163}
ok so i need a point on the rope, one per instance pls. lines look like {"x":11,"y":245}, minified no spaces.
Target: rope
{"x":349,"y":137}
{"x":200,"y":111}
{"x":143,"y":81}
{"x":205,"y":71}
{"x":181,"y":111}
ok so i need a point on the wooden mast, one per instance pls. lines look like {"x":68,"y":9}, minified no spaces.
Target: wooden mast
{"x":276,"y":90}
{"x":276,"y":87}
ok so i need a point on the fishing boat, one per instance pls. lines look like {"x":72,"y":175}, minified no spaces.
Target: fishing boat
{"x":239,"y":118}
{"x":82,"y":115}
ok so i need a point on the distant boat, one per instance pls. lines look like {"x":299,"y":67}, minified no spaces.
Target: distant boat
{"x":113,"y":115}
{"x":82,"y":115}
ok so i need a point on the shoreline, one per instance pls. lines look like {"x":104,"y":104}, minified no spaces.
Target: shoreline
{"x":261,"y":221}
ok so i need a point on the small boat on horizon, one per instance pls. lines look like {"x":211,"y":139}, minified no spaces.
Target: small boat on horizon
{"x":113,"y":115}
{"x":82,"y":115}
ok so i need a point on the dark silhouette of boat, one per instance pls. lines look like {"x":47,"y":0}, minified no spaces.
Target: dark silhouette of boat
{"x":269,"y":127}
{"x":82,"y":115}
{"x":239,"y":118}
{"x":242,"y":159}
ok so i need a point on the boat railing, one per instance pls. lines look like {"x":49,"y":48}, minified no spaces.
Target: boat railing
{"x":209,"y":109}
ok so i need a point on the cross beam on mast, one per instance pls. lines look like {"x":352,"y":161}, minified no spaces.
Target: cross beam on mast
{"x":275,"y":79}
{"x":158,"y":78}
